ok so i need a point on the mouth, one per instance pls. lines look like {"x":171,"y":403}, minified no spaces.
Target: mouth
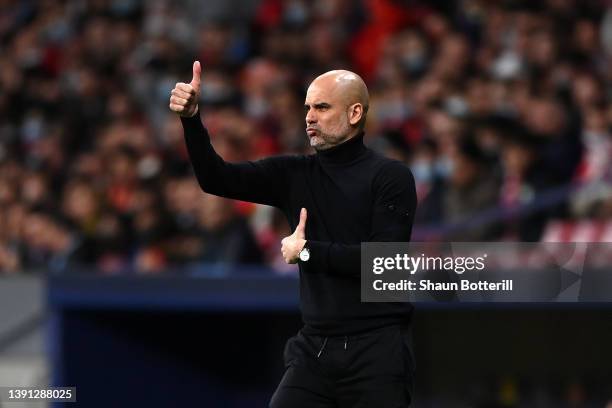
{"x":311,"y":132}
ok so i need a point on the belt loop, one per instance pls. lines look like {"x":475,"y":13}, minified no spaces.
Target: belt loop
{"x":345,"y":342}
{"x":322,"y":347}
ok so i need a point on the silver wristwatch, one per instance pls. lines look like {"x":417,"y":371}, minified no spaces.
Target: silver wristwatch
{"x":304,"y":254}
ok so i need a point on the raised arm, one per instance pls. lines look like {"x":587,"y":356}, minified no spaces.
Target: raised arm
{"x":263,"y":181}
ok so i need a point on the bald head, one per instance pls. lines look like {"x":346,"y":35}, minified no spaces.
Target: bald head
{"x":348,"y":85}
{"x":336,"y":106}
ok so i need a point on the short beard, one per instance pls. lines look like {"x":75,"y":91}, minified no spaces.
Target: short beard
{"x":334,"y":139}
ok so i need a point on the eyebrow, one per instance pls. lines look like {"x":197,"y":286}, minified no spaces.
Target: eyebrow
{"x":320,"y":105}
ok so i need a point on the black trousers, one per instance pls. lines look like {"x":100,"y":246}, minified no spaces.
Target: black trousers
{"x":372,"y":369}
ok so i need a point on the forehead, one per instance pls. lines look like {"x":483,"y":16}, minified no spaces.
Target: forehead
{"x":321,"y":91}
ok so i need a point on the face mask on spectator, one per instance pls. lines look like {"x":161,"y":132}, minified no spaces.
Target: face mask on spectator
{"x":257,"y":107}
{"x":414,"y":62}
{"x":422,"y":171}
{"x":296,"y":13}
{"x":594,"y":137}
{"x":392,"y":111}
{"x":32,"y":128}
{"x":215,"y":92}
{"x":444,"y":167}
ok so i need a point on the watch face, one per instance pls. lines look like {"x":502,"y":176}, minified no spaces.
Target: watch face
{"x":304,"y":255}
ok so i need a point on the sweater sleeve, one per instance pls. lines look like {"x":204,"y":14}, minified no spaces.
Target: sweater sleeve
{"x":262,"y":181}
{"x":392,"y":218}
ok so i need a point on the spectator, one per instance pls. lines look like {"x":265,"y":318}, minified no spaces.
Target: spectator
{"x":471,"y":188}
{"x":225,"y":235}
{"x":84,"y":124}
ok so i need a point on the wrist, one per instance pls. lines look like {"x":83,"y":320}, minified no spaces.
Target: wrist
{"x":195,"y":112}
{"x":304,"y":253}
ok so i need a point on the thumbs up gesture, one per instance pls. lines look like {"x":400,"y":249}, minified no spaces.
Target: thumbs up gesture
{"x":184,"y":97}
{"x":293,"y":244}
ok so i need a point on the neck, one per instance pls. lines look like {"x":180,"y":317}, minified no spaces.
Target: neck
{"x":345,"y":152}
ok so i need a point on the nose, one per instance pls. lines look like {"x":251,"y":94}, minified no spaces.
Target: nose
{"x":310,"y":117}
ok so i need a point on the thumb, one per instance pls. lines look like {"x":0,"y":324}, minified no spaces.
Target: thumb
{"x":300,"y":230}
{"x":197,"y":73}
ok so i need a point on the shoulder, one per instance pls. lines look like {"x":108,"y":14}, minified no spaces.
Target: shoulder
{"x":391,"y":170}
{"x":394,"y":186}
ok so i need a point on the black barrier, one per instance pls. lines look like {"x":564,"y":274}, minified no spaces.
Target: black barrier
{"x":181,"y":341}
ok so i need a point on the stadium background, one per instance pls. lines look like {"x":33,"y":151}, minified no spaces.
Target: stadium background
{"x":501,"y":108}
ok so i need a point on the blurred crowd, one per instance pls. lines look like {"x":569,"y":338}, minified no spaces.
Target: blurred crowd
{"x":502,"y":110}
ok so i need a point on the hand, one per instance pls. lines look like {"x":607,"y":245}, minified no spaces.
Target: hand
{"x":184,"y":97}
{"x":293,"y":244}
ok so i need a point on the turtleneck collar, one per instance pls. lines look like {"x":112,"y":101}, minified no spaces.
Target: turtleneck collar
{"x":345,"y":152}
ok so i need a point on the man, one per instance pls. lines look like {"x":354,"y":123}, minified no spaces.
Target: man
{"x":349,"y":353}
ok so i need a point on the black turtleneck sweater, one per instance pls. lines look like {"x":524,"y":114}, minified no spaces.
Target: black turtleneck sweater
{"x":352,"y":195}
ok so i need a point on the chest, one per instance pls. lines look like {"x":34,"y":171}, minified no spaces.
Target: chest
{"x":339,"y":202}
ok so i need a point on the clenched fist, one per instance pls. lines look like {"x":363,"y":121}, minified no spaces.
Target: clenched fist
{"x":184,"y":97}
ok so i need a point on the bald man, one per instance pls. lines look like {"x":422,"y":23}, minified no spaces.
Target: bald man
{"x":349,"y":354}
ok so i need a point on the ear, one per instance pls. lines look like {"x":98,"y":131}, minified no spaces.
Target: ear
{"x":355,"y":113}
